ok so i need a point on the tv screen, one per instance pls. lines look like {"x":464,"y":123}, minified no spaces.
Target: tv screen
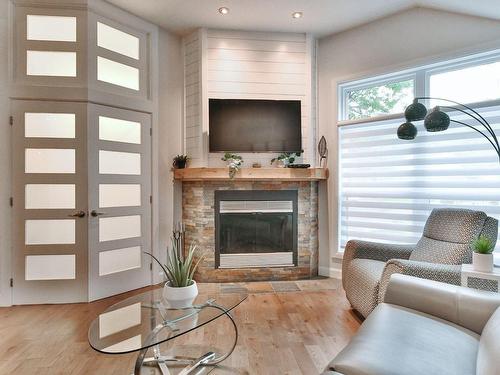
{"x":242,"y":125}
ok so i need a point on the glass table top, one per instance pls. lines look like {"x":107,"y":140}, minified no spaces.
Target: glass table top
{"x":145,"y":320}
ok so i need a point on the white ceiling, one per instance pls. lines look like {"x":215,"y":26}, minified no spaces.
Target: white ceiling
{"x":321,"y":17}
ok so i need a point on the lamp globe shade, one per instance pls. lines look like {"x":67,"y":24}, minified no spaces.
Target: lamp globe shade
{"x":407,"y":131}
{"x":437,"y":121}
{"x":415,"y":111}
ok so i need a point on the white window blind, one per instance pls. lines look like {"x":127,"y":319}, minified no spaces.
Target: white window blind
{"x":389,"y":186}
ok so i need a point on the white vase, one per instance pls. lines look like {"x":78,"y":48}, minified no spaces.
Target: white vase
{"x":180,"y":297}
{"x":482,"y":262}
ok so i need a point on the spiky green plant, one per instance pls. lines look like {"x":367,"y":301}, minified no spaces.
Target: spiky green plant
{"x":483,"y":245}
{"x":179,"y":270}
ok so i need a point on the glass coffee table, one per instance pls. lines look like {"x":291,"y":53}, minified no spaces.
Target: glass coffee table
{"x":142,"y":322}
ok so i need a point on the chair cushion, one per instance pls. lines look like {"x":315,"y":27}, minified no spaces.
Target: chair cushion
{"x":435,"y":251}
{"x":361,"y":284}
{"x":488,"y":358}
{"x":454,"y":225}
{"x":395,"y":340}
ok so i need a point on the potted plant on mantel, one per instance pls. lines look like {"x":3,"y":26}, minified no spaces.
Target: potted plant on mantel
{"x":180,"y":161}
{"x":180,"y":290}
{"x":234,"y":163}
{"x":286,"y":158}
{"x":482,"y":257}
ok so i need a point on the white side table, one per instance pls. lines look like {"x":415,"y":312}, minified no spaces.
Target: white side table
{"x":481,"y":280}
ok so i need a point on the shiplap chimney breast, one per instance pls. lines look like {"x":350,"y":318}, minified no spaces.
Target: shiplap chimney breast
{"x":247,"y":65}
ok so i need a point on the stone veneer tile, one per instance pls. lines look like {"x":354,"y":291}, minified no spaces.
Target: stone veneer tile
{"x":198,"y":216}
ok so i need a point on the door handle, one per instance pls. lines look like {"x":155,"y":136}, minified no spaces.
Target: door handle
{"x":78,"y":214}
{"x":94,"y":213}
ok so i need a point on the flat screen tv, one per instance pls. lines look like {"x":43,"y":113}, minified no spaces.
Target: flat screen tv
{"x":243,"y":125}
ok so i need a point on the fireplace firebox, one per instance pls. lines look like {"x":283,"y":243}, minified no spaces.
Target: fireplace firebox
{"x":255,"y":228}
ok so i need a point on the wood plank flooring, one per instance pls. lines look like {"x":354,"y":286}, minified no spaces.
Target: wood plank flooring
{"x":285,"y":328}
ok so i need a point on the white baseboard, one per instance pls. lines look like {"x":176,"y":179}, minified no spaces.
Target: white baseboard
{"x":335,"y":273}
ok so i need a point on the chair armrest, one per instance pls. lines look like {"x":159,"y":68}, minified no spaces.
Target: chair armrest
{"x":373,"y":250}
{"x":469,"y":308}
{"x":446,"y":273}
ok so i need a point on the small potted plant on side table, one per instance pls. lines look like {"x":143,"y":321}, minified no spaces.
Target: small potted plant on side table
{"x":180,"y":290}
{"x":482,"y":256}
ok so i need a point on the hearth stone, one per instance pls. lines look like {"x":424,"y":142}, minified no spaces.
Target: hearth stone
{"x":198,"y":202}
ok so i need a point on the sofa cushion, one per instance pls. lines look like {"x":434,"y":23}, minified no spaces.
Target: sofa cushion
{"x":361,"y":284}
{"x":488,"y":358}
{"x":395,"y":340}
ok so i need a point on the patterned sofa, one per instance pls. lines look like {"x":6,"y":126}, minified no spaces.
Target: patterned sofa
{"x":444,"y":246}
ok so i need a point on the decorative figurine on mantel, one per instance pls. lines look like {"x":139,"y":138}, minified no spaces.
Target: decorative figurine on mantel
{"x":322,"y":151}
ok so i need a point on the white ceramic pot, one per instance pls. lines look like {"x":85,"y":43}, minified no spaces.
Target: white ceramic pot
{"x":180,"y":298}
{"x":482,"y":262}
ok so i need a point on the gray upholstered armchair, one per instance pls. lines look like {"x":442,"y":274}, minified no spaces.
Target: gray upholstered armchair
{"x":443,"y":247}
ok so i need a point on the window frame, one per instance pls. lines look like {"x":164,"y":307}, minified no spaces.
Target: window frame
{"x":421,"y":76}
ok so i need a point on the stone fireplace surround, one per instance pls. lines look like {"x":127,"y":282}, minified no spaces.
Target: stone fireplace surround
{"x":198,"y":203}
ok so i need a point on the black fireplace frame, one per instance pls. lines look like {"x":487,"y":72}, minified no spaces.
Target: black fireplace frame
{"x":256,"y":195}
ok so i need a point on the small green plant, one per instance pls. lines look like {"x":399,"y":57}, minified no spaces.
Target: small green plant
{"x":287,"y":158}
{"x":179,"y":269}
{"x":180,"y":161}
{"x":235,"y":163}
{"x":483,"y":245}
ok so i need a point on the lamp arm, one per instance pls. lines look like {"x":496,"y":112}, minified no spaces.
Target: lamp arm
{"x":497,"y":150}
{"x":489,"y":129}
{"x":484,"y":122}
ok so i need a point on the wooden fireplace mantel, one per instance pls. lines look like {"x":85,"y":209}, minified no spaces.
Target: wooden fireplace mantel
{"x":251,"y":174}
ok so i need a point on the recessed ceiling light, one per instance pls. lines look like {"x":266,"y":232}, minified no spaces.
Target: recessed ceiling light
{"x":223,"y":10}
{"x":297,"y":14}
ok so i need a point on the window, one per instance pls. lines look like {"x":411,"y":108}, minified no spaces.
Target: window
{"x":388,"y":187}
{"x":379,"y":99}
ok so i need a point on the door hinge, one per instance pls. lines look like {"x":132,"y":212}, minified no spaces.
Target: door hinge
{"x":11,"y":120}
{"x":11,"y":282}
{"x":150,"y":199}
{"x":11,"y":202}
{"x":150,"y":267}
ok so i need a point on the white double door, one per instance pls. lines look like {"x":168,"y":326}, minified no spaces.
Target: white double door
{"x":81,"y":201}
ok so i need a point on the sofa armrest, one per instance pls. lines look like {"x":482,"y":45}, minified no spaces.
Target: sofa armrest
{"x":445,"y":273}
{"x":372,"y":250}
{"x":469,"y":308}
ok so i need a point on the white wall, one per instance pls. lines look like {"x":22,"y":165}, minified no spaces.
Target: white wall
{"x":246,"y":65}
{"x":170,"y":135}
{"x":411,"y":38}
{"x":5,"y":176}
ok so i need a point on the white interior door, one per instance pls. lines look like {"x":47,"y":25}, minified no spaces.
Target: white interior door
{"x":49,"y":202}
{"x":119,"y":148}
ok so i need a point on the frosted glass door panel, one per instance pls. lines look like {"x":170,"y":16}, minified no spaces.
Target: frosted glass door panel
{"x":117,"y":73}
{"x":50,"y":196}
{"x":51,"y":28}
{"x":49,"y":160}
{"x":49,"y":125}
{"x":50,"y":267}
{"x":117,"y":41}
{"x":117,"y":130}
{"x":119,"y":195}
{"x":48,"y":232}
{"x":114,"y":162}
{"x":119,"y":260}
{"x":51,"y":63}
{"x":119,"y":227}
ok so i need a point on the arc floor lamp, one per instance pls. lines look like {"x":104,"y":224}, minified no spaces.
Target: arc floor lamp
{"x":437,"y":120}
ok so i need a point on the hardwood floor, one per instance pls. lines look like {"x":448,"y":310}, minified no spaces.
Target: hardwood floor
{"x":285,"y":328}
